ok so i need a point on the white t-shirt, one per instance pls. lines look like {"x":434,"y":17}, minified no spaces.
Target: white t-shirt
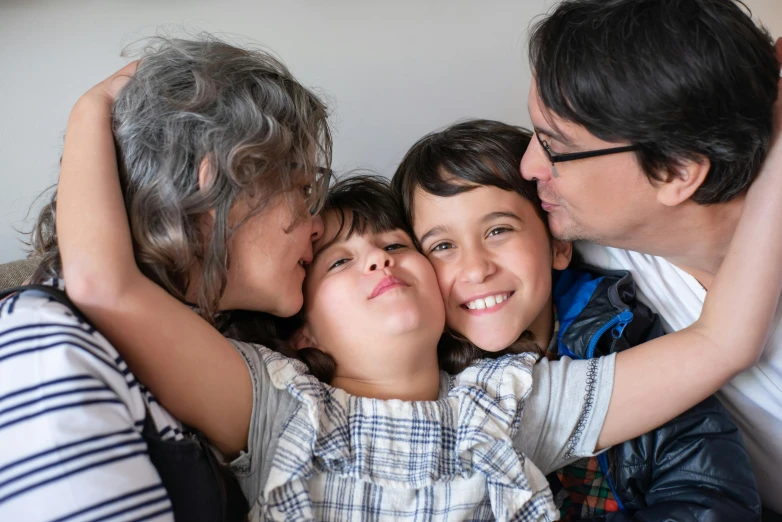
{"x":754,"y":397}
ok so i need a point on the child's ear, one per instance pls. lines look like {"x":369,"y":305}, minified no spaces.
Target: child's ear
{"x":561,"y":254}
{"x":303,"y":338}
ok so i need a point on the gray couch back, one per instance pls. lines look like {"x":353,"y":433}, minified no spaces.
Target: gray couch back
{"x":16,"y":273}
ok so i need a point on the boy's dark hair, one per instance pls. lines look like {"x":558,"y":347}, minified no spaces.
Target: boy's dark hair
{"x":681,"y":78}
{"x":481,"y":153}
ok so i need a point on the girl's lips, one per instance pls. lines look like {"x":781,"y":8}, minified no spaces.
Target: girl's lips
{"x":386,"y":284}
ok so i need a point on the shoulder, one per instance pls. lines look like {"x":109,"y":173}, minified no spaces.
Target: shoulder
{"x":640,"y":265}
{"x":503,"y":377}
{"x":32,"y":315}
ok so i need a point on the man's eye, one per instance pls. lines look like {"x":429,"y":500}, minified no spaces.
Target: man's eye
{"x":442,"y":246}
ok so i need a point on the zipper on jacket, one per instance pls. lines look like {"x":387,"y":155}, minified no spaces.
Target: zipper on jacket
{"x":602,"y":459}
{"x":617,"y":325}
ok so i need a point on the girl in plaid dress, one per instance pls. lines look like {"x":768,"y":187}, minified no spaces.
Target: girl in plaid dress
{"x":389,"y":436}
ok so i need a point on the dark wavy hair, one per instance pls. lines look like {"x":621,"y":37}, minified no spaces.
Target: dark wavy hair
{"x":262,"y":132}
{"x":681,"y":78}
{"x":482,"y":153}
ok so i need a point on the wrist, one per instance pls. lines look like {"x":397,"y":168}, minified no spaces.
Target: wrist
{"x":93,"y":101}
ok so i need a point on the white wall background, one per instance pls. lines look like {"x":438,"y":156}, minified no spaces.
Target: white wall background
{"x":394,"y":70}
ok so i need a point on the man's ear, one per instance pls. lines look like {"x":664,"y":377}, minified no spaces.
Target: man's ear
{"x":303,"y":338}
{"x":561,"y":254}
{"x":683,"y":181}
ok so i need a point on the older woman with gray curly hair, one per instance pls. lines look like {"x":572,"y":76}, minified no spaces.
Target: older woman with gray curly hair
{"x":224,"y":160}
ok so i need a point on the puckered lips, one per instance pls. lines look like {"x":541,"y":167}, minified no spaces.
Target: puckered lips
{"x":387,"y":283}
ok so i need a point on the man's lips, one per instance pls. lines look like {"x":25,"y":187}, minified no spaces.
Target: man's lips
{"x":386,"y":284}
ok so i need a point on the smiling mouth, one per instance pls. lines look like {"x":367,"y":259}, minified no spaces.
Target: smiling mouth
{"x":487,"y":302}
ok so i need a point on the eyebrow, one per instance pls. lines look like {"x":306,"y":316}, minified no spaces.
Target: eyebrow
{"x":334,"y":242}
{"x":491,"y":216}
{"x":554,"y":135}
{"x":434,"y":231}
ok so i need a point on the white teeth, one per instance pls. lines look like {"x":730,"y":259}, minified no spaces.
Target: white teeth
{"x":487,"y":302}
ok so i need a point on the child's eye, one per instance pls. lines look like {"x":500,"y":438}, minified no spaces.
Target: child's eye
{"x":442,"y":246}
{"x":497,"y":231}
{"x":394,"y":246}
{"x":338,"y":263}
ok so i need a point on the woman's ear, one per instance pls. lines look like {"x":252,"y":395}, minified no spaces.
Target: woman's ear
{"x":561,"y":254}
{"x":205,"y":174}
{"x":303,"y":338}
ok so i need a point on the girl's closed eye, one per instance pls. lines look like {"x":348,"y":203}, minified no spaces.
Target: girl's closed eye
{"x":394,"y":246}
{"x":337,"y":263}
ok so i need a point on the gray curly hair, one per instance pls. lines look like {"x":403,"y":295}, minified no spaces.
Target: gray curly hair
{"x":262,"y":134}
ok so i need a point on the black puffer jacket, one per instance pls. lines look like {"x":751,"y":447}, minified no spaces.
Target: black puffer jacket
{"x":695,"y":467}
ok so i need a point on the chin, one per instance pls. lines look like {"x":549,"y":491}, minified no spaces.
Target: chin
{"x":405,"y":321}
{"x":493,"y":344}
{"x":290,"y":307}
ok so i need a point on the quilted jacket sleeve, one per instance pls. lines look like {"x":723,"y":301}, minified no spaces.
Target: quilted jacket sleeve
{"x":695,"y":468}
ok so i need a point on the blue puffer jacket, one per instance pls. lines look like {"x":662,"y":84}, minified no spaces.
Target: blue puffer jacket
{"x":695,"y":467}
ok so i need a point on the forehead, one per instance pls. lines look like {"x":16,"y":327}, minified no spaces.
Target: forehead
{"x":541,"y":116}
{"x":431,"y":210}
{"x":338,"y":226}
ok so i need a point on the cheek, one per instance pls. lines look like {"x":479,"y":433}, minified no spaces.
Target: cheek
{"x":444,"y":274}
{"x":530,"y":261}
{"x":317,"y":311}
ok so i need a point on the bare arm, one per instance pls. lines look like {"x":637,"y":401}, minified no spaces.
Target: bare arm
{"x":662,"y":378}
{"x":191,"y":368}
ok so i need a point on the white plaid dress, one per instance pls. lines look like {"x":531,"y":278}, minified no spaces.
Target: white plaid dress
{"x":345,"y":458}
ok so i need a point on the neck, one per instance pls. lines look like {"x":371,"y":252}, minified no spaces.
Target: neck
{"x":543,"y":326}
{"x":411,"y":373}
{"x":693,"y":237}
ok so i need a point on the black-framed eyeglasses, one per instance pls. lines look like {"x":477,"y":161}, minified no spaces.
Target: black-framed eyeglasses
{"x":559,"y":158}
{"x":315,"y":193}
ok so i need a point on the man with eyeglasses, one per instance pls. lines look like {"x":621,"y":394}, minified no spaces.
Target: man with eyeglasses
{"x":652,"y":119}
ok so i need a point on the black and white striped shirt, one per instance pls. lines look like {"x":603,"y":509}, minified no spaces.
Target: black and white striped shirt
{"x":71,"y":417}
